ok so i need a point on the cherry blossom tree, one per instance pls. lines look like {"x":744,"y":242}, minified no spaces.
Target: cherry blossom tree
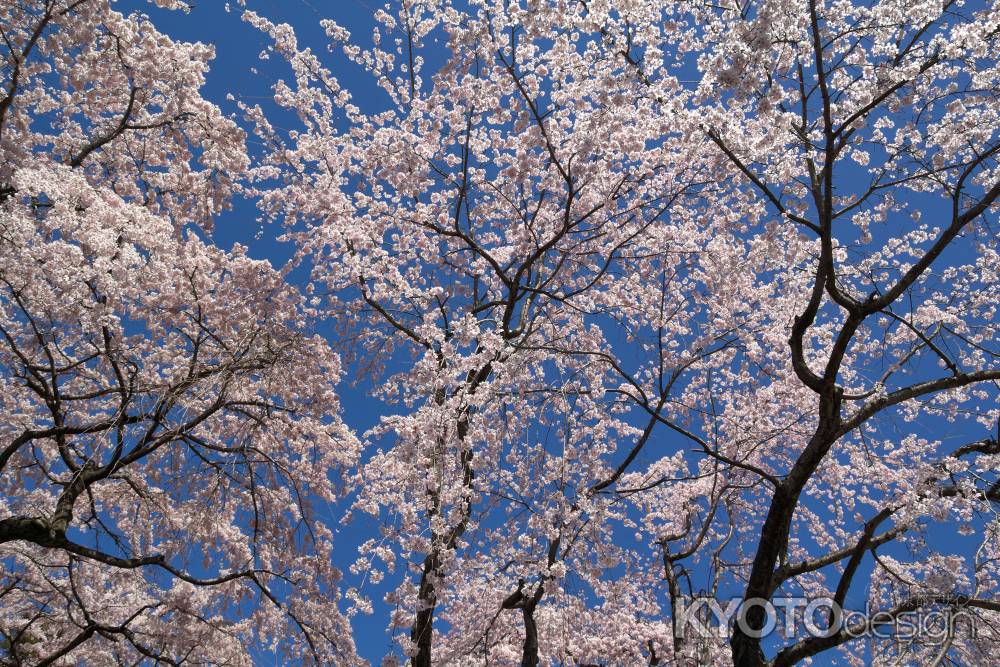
{"x":491,"y":241}
{"x":676,"y":299}
{"x":170,"y":428}
{"x":884,"y":123}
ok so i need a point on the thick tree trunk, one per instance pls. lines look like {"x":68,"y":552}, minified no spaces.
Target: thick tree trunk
{"x":422,"y":632}
{"x":529,"y":656}
{"x":746,"y":650}
{"x":774,"y":535}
